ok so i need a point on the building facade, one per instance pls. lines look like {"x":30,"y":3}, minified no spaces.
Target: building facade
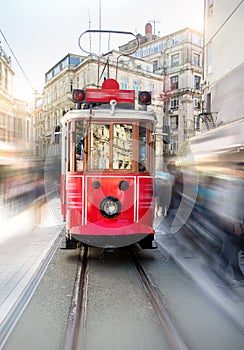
{"x":82,"y":72}
{"x":223,"y":76}
{"x":6,"y":98}
{"x":170,"y":67}
{"x":177,"y":58}
{"x":15,"y":119}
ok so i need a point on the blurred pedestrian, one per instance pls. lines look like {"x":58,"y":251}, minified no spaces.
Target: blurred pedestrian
{"x":231,"y":222}
{"x":39,"y":200}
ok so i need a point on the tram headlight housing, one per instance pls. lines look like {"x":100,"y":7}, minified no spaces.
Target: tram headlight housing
{"x":78,"y":96}
{"x":110,"y":207}
{"x":144,"y":98}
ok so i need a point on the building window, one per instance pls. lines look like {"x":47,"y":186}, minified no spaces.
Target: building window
{"x":197,"y":80}
{"x":175,"y":60}
{"x":124,"y":84}
{"x":196,"y":39}
{"x":210,"y":7}
{"x":56,"y":70}
{"x":209,"y":102}
{"x":48,"y":97}
{"x":73,"y":61}
{"x":55,"y":93}
{"x":84,"y":79}
{"x":209,"y":58}
{"x":64,"y":63}
{"x":64,"y":87}
{"x":174,"y":82}
{"x":196,"y":59}
{"x":174,"y":102}
{"x":6,"y":79}
{"x":176,"y":40}
{"x":71,"y":85}
{"x":162,"y":45}
{"x":1,"y":75}
{"x":155,"y":48}
{"x":196,"y":123}
{"x":155,"y":65}
{"x":196,"y":102}
{"x":49,"y":76}
{"x":174,"y":122}
{"x":136,"y":86}
{"x":174,"y":143}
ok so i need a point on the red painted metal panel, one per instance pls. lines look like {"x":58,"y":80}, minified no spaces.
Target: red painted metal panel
{"x":110,"y":229}
{"x":106,"y":95}
{"x":84,"y":196}
{"x":146,"y":200}
{"x":74,"y":200}
{"x":109,"y":186}
{"x":63,"y":195}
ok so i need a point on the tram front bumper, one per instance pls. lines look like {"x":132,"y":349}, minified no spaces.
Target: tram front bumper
{"x":111,"y":234}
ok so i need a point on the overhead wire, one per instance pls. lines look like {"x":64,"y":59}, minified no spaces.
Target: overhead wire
{"x":226,"y":20}
{"x":16,"y":59}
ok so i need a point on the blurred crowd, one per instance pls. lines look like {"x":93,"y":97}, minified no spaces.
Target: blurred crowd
{"x":214,"y":201}
{"x":26,"y":184}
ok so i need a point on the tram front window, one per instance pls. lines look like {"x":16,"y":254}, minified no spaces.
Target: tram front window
{"x":100,"y":137}
{"x":142,"y":147}
{"x":79,"y":146}
{"x":122,"y":146}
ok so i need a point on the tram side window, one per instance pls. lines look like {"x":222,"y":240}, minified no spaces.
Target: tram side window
{"x":122,"y":146}
{"x":79,"y":146}
{"x":99,"y":146}
{"x":142,"y":147}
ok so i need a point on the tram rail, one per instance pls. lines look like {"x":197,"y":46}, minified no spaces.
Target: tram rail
{"x":174,"y":339}
{"x":76,"y":322}
{"x":76,"y":335}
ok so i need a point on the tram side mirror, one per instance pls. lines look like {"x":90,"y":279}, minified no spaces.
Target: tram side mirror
{"x":166,"y":134}
{"x":55,"y":135}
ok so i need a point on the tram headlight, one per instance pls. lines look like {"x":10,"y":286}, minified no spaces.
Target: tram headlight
{"x":144,"y":98}
{"x":110,"y":207}
{"x":78,"y":96}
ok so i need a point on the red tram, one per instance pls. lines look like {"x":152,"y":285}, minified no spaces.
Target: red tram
{"x":107,"y":171}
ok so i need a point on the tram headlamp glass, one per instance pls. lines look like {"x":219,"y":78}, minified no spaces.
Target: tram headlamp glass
{"x":78,"y":95}
{"x":144,"y":98}
{"x":110,"y":207}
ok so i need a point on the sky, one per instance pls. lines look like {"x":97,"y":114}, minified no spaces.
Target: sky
{"x":41,"y":33}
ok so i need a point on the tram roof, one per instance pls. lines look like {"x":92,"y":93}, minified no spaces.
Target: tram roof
{"x":109,"y":115}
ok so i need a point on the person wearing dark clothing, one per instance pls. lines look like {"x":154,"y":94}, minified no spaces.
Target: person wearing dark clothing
{"x":231,"y":223}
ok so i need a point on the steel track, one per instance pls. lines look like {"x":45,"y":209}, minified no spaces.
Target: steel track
{"x":75,"y":334}
{"x":174,"y":339}
{"x":76,"y":323}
